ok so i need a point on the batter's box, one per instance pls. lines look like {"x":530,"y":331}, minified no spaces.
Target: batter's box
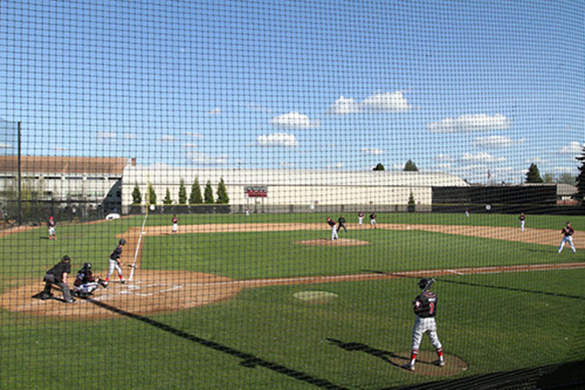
{"x":150,"y":290}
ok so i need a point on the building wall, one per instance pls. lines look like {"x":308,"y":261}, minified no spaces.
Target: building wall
{"x":292,"y":187}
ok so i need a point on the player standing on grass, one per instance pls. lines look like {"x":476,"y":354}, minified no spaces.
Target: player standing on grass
{"x":333,"y":229}
{"x":115,"y":263}
{"x":425,"y":308}
{"x":51,"y":225}
{"x":360,"y":218}
{"x":522,"y":220}
{"x":567,"y":233}
{"x":175,"y":224}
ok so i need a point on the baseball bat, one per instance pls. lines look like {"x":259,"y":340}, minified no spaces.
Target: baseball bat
{"x":429,"y":284}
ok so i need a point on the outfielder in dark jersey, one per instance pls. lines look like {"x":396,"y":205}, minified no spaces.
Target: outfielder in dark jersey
{"x":425,"y":308}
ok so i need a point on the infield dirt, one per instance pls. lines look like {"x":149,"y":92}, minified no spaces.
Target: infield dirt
{"x":167,"y":291}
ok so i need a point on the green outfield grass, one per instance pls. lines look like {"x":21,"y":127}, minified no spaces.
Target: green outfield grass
{"x":496,"y":323}
{"x":487,"y":219}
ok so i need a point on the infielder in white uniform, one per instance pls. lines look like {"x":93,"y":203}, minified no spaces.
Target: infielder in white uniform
{"x":333,"y":229}
{"x":567,"y":233}
{"x":425,"y":308}
{"x":522,"y":220}
{"x":360,"y":218}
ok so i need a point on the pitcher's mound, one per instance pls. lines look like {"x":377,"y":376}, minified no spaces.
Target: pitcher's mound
{"x":424,"y":364}
{"x":328,"y":242}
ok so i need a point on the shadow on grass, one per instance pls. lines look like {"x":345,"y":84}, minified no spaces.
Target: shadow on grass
{"x":248,"y":360}
{"x":507,"y":288}
{"x":379,"y":353}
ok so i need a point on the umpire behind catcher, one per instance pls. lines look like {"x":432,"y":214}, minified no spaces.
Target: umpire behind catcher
{"x":58,"y":275}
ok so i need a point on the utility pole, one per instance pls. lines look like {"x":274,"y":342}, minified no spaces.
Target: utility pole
{"x":19,"y":179}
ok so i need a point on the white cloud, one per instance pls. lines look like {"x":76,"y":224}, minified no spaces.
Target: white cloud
{"x":278,"y":139}
{"x":373,"y":151}
{"x":206,"y":159}
{"x":443,"y":166}
{"x":215,"y":111}
{"x":5,"y":146}
{"x":398,"y":166}
{"x":167,"y":138}
{"x":189,"y":146}
{"x":378,"y":102}
{"x":130,"y":136}
{"x":445,"y":157}
{"x":288,"y":165}
{"x":335,"y":166}
{"x":387,"y":102}
{"x":573,"y":148}
{"x":482,"y":157}
{"x":106,"y":135}
{"x":496,"y":142}
{"x":343,"y":106}
{"x":293,"y":120}
{"x":194,"y":135}
{"x":469,"y":123}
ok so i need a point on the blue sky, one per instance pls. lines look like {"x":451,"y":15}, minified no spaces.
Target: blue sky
{"x":459,"y":87}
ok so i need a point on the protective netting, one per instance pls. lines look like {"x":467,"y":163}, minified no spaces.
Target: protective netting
{"x":292,"y":194}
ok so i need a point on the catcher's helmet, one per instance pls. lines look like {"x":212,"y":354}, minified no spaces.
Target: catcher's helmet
{"x":122,"y":241}
{"x":423,"y":282}
{"x":87,"y":265}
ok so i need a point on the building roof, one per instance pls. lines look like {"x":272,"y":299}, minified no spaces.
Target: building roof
{"x":566,"y":189}
{"x":167,"y":175}
{"x":63,"y":165}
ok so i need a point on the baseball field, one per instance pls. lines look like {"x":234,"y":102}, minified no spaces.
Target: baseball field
{"x":269,"y":302}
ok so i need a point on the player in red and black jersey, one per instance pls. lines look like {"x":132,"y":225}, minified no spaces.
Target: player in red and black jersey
{"x":333,"y":225}
{"x":425,"y":308}
{"x":567,"y":233}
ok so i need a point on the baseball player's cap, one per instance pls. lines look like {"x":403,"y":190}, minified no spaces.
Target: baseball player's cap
{"x":423,"y":282}
{"x":65,"y":258}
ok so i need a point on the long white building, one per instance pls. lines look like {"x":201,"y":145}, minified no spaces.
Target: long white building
{"x":290,"y":186}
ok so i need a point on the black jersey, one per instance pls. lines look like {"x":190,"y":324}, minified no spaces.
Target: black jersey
{"x":425,"y":305}
{"x":116,"y":253}
{"x":59,"y":269}
{"x":330,"y":222}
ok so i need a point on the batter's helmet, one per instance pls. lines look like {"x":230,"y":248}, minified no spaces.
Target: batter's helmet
{"x":87,"y":265}
{"x":65,"y":258}
{"x":122,"y":241}
{"x":422,"y":283}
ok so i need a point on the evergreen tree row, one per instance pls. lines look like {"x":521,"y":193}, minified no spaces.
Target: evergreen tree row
{"x":195,"y":198}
